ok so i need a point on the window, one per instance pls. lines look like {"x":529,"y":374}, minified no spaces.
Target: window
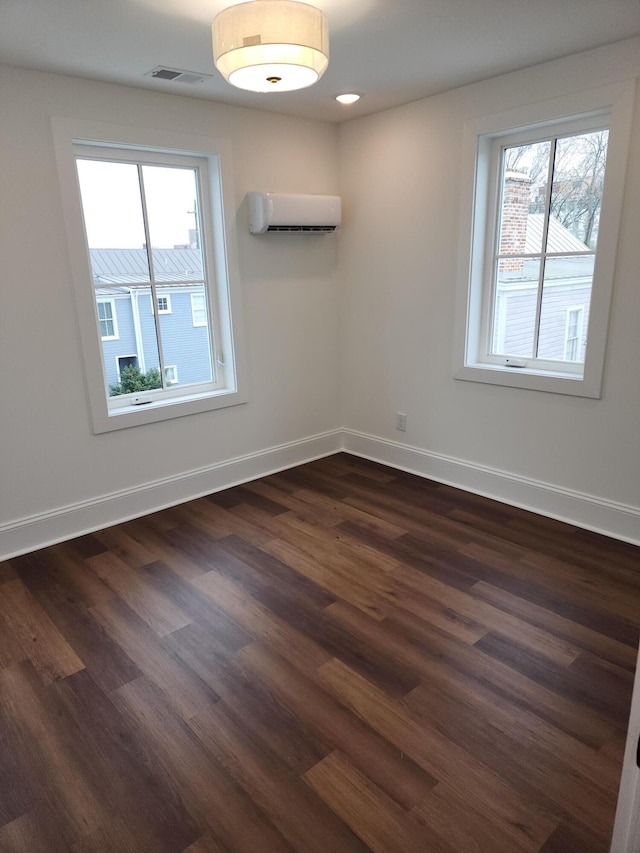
{"x":164,"y":304}
{"x":146,"y":223}
{"x":535,"y":284}
{"x":107,"y":319}
{"x":573,"y":346}
{"x":124,"y":361}
{"x":198,"y":310}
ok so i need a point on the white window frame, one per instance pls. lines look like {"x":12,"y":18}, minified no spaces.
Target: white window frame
{"x":195,"y":309}
{"x":167,"y":297}
{"x":610,"y":106}
{"x":223,"y":295}
{"x":579,"y":328}
{"x":119,"y":369}
{"x":174,"y":373}
{"x":101,"y":300}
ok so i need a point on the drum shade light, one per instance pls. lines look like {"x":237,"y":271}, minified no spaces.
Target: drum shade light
{"x":271,"y":45}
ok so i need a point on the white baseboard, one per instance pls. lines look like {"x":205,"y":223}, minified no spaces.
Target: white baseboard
{"x":621,"y":521}
{"x":38,"y":531}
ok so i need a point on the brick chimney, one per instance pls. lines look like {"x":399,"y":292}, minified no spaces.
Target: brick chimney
{"x":515,"y":209}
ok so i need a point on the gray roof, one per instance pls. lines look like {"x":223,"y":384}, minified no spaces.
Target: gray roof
{"x":130,"y":266}
{"x":560,"y":239}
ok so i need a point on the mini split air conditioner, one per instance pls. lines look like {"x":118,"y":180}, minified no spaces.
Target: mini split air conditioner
{"x":293,"y":213}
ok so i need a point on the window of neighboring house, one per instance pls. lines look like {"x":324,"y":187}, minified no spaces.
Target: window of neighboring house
{"x":547,"y":197}
{"x":123,"y":361}
{"x":153,"y":219}
{"x":164,"y":304}
{"x":573,"y":334}
{"x":198,"y":310}
{"x":107,"y":319}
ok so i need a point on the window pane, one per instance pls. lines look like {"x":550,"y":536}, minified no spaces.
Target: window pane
{"x":576,"y":197}
{"x":566,"y":289}
{"x":105,"y":315}
{"x":185,"y":345}
{"x":525,"y":170}
{"x":514,"y":315}
{"x":171,"y":199}
{"x":136,"y":346}
{"x":113,"y":218}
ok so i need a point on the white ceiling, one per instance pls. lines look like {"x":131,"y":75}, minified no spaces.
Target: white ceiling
{"x":390,"y":51}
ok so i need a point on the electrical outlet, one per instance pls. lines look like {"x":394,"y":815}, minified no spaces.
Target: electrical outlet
{"x":401,"y":421}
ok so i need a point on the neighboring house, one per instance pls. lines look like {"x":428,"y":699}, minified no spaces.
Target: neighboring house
{"x":564,"y":308}
{"x":127,"y":319}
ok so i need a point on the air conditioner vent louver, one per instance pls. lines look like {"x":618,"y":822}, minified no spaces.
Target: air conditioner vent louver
{"x":176,"y":75}
{"x":310,"y":229}
{"x":293,"y":213}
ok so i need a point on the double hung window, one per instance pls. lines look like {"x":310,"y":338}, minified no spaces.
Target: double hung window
{"x":153,"y":285}
{"x":536,"y":281}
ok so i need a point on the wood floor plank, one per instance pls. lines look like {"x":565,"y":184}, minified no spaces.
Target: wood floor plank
{"x":211,"y":795}
{"x":336,"y":577}
{"x":51,"y":751}
{"x":373,"y":817}
{"x":304,"y":820}
{"x":284,"y":733}
{"x":7,"y":572}
{"x":199,"y":609}
{"x":336,"y":657}
{"x":576,"y":790}
{"x":37,"y":831}
{"x":184,"y":690}
{"x":392,"y":771}
{"x":206,"y":844}
{"x":38,"y":637}
{"x":466,"y":827}
{"x":105,"y":660}
{"x":119,"y":541}
{"x":218,"y":522}
{"x":566,"y":680}
{"x":261,"y":623}
{"x":273,"y":574}
{"x":559,"y":626}
{"x":152,"y":816}
{"x":445,"y":691}
{"x":561,"y":710}
{"x":158,"y":611}
{"x":67,"y":567}
{"x":154,"y":536}
{"x":485,"y":617}
{"x":440,"y":758}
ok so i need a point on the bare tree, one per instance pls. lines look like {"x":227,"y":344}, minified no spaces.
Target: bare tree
{"x":578,"y":179}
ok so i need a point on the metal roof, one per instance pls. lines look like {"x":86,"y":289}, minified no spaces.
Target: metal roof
{"x":130,"y":266}
{"x":561,"y":240}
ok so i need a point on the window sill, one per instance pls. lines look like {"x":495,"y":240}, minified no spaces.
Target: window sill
{"x":552,"y":382}
{"x":162,"y":410}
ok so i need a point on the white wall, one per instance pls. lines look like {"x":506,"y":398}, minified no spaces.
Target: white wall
{"x":54,"y":473}
{"x":570,"y":457}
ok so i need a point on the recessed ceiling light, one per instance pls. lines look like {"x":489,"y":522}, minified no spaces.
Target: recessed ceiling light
{"x":347,"y":99}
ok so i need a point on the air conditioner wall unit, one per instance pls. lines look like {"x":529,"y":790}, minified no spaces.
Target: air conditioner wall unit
{"x":293,"y":213}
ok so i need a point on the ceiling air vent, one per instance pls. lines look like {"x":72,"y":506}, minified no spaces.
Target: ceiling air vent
{"x":177,"y":75}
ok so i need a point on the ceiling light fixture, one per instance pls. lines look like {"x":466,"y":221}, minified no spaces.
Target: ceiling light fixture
{"x":271,"y":45}
{"x":350,"y":98}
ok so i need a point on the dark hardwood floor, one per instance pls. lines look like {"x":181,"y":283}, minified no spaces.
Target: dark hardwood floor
{"x":341,"y":657}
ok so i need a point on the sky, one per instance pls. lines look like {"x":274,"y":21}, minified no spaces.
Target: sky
{"x":112,"y":205}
